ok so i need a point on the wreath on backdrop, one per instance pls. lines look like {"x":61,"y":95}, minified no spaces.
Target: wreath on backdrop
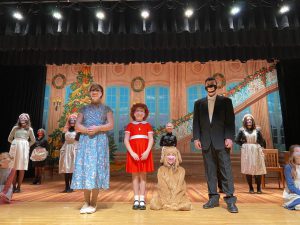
{"x":59,"y":81}
{"x":138,"y":84}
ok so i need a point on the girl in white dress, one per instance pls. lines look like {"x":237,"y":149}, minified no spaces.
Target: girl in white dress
{"x":252,"y":157}
{"x":68,"y":151}
{"x":21,"y":138}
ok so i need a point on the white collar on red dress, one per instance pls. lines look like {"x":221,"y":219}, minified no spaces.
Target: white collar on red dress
{"x":138,"y":122}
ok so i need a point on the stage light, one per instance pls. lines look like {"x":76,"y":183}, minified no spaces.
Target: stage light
{"x":188,"y":12}
{"x":100,"y":15}
{"x":145,"y":14}
{"x":235,"y":10}
{"x":284,"y":9}
{"x":18,"y":15}
{"x":57,"y":15}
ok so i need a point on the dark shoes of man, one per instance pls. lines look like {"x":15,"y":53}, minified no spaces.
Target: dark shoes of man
{"x":259,"y":191}
{"x":211,"y":204}
{"x":231,"y":207}
{"x":251,"y":191}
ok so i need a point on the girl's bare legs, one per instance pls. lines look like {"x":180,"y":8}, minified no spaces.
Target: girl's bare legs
{"x":142,"y":190}
{"x":90,"y":198}
{"x":87,"y":201}
{"x":95,"y":193}
{"x":142,"y":184}
{"x":136,"y":189}
{"x":135,"y":183}
{"x":87,"y":196}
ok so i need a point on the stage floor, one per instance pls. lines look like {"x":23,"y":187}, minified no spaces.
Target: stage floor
{"x":45,"y":204}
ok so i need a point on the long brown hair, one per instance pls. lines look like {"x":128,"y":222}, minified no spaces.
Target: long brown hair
{"x":292,"y":160}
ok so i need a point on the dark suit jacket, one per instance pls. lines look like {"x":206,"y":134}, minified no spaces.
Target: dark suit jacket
{"x":222,"y":126}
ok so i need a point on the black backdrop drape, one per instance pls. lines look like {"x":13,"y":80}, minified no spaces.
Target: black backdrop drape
{"x":289,"y":87}
{"x":22,"y":90}
{"x":258,"y":32}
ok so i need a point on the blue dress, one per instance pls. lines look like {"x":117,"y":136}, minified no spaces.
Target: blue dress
{"x":92,"y":159}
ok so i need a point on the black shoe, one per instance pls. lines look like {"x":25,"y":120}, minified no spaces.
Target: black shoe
{"x":136,"y":206}
{"x":142,"y":207}
{"x":69,"y":190}
{"x":17,"y":190}
{"x":39,"y":180}
{"x":231,"y":207}
{"x":251,"y":191}
{"x":221,"y":191}
{"x":211,"y":204}
{"x":259,"y":191}
{"x":35,"y":180}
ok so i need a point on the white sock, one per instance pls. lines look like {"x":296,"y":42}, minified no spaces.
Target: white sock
{"x":136,"y":200}
{"x":142,"y":200}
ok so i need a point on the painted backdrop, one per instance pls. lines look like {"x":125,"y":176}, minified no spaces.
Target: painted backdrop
{"x":169,"y":90}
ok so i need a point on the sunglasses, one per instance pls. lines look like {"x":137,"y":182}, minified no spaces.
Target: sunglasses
{"x":211,"y":86}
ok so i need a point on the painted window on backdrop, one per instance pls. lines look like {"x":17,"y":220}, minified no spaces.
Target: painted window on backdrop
{"x":275,"y":117}
{"x":194,"y":93}
{"x":157,"y":99}
{"x":118,"y":99}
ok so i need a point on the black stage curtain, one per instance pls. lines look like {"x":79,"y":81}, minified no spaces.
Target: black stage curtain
{"x":258,"y":32}
{"x":289,"y":86}
{"x":22,"y":90}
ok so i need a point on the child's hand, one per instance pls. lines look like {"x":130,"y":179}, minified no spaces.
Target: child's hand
{"x":92,"y":130}
{"x":145,"y":155}
{"x":134,"y":156}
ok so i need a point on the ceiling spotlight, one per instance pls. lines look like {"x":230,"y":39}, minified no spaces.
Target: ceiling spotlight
{"x":235,"y":10}
{"x":145,"y":14}
{"x":100,"y":15}
{"x":18,"y":15}
{"x":188,"y":12}
{"x":57,"y":15}
{"x":283,"y":9}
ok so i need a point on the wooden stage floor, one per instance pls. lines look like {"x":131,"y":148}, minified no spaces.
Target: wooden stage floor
{"x":45,"y":204}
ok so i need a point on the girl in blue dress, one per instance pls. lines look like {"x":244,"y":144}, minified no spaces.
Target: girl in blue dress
{"x":91,"y":171}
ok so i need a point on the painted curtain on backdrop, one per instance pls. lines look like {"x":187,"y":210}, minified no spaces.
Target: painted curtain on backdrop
{"x":170,"y":90}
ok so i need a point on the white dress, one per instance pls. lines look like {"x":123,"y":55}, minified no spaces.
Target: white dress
{"x":68,"y":153}
{"x":19,"y":148}
{"x":252,"y":156}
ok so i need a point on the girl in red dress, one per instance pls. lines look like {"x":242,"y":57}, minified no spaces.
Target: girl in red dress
{"x":138,"y":141}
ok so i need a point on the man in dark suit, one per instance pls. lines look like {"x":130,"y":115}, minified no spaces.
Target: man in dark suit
{"x":213,"y":132}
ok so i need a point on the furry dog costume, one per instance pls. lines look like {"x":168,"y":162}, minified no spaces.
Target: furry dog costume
{"x":171,"y":187}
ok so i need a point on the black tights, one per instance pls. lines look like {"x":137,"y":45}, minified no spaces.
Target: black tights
{"x":68,"y":180}
{"x":257,"y":181}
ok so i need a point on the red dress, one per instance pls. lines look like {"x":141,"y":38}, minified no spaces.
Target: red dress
{"x":138,"y":141}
